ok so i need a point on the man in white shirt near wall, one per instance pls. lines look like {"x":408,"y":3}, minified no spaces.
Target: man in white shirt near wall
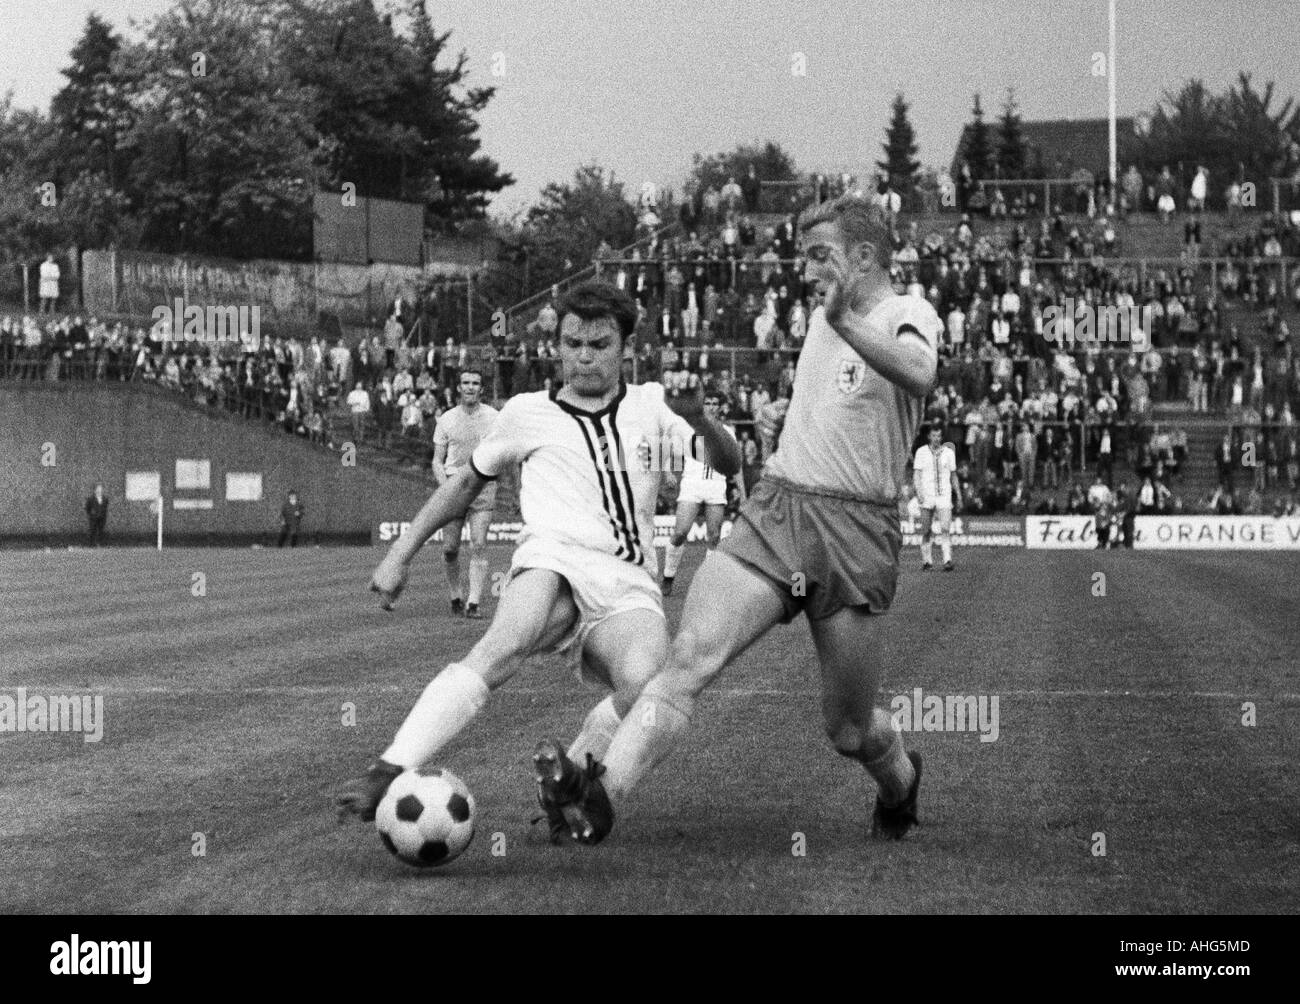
{"x":934,"y":476}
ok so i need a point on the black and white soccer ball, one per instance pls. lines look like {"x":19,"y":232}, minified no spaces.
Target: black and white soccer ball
{"x":426,"y":817}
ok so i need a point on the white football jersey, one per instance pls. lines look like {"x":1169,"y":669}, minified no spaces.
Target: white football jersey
{"x":932,"y":475}
{"x":589,"y":478}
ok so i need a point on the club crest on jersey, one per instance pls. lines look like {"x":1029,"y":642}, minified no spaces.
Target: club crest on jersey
{"x":852,"y":373}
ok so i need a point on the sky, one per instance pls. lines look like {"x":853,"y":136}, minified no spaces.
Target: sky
{"x":639,"y":86}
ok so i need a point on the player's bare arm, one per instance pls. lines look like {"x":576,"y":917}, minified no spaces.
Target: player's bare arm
{"x":853,"y":281}
{"x":449,"y":502}
{"x":440,"y":464}
{"x":902,"y":360}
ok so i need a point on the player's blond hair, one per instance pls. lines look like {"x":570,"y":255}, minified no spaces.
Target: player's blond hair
{"x":860,"y":221}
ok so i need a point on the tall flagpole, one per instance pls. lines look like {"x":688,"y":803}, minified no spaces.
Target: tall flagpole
{"x":1111,"y":88}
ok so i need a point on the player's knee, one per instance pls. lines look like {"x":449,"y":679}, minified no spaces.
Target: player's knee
{"x":692,"y":661}
{"x":496,"y":655}
{"x":853,"y":736}
{"x":844,"y":735}
{"x":674,"y":689}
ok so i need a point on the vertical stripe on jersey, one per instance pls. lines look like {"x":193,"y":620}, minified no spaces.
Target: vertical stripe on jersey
{"x":630,"y":519}
{"x":622,"y":551}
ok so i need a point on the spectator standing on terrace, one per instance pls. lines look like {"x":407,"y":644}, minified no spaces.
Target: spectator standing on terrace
{"x":1224,"y":460}
{"x":765,"y":327}
{"x":392,"y":339}
{"x":751,"y":188}
{"x":732,"y":195}
{"x":1200,"y":185}
{"x":786,"y":239}
{"x":1233,"y":198}
{"x":1105,"y":456}
{"x":49,"y":285}
{"x":358,"y":402}
{"x":1132,"y":189}
{"x":412,"y":414}
{"x":1164,"y":192}
{"x":1027,"y":454}
{"x":341,"y":364}
{"x":798,"y":324}
{"x":712,"y":204}
{"x":690,"y":314}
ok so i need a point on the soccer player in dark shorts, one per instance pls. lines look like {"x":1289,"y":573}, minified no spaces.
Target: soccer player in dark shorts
{"x":820,"y":533}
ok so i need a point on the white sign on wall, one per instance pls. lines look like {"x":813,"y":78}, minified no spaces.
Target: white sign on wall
{"x":143,"y":486}
{"x":193,"y":474}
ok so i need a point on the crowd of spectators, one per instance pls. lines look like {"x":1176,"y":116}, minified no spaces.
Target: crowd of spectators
{"x":1027,"y":416}
{"x":390,"y":389}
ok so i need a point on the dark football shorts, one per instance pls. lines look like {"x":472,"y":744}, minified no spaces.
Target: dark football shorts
{"x":821,"y":552}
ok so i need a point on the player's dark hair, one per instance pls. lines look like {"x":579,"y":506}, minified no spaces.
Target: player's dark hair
{"x":472,"y":371}
{"x":594,"y":300}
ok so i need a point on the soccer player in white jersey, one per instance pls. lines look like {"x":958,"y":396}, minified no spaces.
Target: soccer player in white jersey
{"x":455,"y":437}
{"x":702,"y":487}
{"x":582,"y":580}
{"x":819,"y":535}
{"x":934,"y":475}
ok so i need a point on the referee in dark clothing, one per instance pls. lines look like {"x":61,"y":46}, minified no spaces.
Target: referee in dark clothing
{"x":97,"y":515}
{"x":291,"y":514}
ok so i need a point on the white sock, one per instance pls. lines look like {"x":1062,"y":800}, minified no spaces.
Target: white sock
{"x":945,"y":547}
{"x":647,"y":735}
{"x":478,"y":573}
{"x":450,"y":702}
{"x":597,"y":732}
{"x":673,"y":559}
{"x":927,"y":553}
{"x":892,"y":770}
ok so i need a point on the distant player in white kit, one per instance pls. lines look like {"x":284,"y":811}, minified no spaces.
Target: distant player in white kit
{"x":934,"y":476}
{"x":459,"y":431}
{"x":582,"y":580}
{"x":702,"y":487}
{"x":819,"y":535}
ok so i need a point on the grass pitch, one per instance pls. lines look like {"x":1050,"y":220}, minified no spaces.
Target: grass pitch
{"x":224,"y":716}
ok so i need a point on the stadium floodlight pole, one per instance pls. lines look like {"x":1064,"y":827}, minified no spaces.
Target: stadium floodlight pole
{"x":1111,"y":113}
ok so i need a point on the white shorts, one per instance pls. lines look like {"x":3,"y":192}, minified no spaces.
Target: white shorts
{"x":933,"y":514}
{"x":706,"y":491}
{"x":602,"y":586}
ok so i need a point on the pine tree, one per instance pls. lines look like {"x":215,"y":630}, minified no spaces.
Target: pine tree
{"x":978,"y":150}
{"x":900,"y":165}
{"x":1011,"y":140}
